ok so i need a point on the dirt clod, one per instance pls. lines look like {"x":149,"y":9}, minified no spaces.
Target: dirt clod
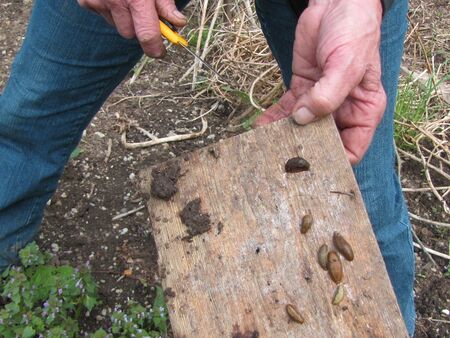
{"x":164,"y":181}
{"x":220,"y":226}
{"x":214,"y":152}
{"x":169,"y":293}
{"x":296,"y":165}
{"x":196,"y":222}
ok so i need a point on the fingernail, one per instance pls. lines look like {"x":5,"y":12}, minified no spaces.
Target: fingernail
{"x":179,"y":15}
{"x":303,"y":116}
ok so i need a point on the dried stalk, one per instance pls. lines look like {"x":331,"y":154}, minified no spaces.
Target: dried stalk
{"x":429,"y":221}
{"x":167,"y":139}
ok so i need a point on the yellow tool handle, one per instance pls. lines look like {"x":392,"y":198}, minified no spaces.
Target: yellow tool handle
{"x":171,"y":35}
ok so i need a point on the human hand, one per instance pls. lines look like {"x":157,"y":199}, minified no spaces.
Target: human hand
{"x":138,"y":18}
{"x":336,"y":70}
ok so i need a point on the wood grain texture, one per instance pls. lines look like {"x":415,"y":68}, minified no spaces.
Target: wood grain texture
{"x":239,"y":281}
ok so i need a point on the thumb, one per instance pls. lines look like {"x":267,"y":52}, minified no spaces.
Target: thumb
{"x":168,"y":10}
{"x":279,"y":110}
{"x":328,"y":94}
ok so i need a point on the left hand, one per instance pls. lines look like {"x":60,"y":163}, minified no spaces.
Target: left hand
{"x":336,"y":70}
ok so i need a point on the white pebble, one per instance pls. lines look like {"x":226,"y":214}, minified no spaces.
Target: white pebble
{"x":99,"y":134}
{"x":55,"y":247}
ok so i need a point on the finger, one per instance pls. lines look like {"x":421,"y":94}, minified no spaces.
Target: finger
{"x":107,"y":16}
{"x":278,"y":111}
{"x":168,"y":10}
{"x":122,"y":19}
{"x":341,"y":74}
{"x":356,"y":142}
{"x":146,"y":26}
{"x":96,"y":6}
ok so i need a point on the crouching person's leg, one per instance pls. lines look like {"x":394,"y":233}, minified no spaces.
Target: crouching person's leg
{"x":377,"y":179}
{"x":70,"y":61}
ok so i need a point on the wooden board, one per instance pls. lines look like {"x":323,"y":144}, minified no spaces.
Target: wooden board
{"x":237,"y":283}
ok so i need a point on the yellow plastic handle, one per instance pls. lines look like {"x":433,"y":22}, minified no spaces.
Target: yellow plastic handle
{"x":171,"y":35}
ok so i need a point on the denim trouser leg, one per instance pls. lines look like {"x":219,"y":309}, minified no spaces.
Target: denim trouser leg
{"x":375,"y":174}
{"x":70,"y":62}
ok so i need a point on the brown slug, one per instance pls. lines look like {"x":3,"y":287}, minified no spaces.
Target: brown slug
{"x":296,"y":165}
{"x":343,"y":246}
{"x":334,"y":266}
{"x":294,"y":314}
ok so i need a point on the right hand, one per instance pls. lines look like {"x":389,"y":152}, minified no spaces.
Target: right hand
{"x":140,"y":19}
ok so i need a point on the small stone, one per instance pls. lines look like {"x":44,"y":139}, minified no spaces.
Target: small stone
{"x":211,"y":137}
{"x":123,"y":231}
{"x":99,"y":134}
{"x":119,"y":291}
{"x":446,"y":312}
{"x":104,"y":312}
{"x":132,"y":176}
{"x":98,"y":318}
{"x":55,"y":247}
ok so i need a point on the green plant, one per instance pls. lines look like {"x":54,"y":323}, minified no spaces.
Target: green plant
{"x":139,"y":321}
{"x":411,"y":107}
{"x":247,"y":124}
{"x":193,"y":37}
{"x":76,"y":152}
{"x":42,"y":299}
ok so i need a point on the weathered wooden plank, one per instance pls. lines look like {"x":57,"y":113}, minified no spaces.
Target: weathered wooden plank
{"x":237,"y":283}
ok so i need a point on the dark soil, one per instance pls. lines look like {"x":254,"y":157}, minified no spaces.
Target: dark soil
{"x":78,"y":226}
{"x":164,"y":181}
{"x":196,"y":222}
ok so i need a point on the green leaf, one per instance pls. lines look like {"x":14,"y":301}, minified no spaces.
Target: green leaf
{"x":28,"y":332}
{"x":159,"y":299}
{"x":89,"y":302}
{"x":31,"y":255}
{"x":100,"y":333}
{"x":12,"y":308}
{"x":160,"y":317}
{"x":38,"y":323}
{"x":75,"y":153}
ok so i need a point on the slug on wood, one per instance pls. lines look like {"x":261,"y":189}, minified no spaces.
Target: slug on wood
{"x":296,"y":165}
{"x":334,"y":266}
{"x":338,"y":294}
{"x":307,"y":222}
{"x":294,"y":314}
{"x":343,"y":246}
{"x":322,"y":256}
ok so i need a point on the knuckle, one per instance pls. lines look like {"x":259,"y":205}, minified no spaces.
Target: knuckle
{"x":115,"y":4}
{"x":147,"y":36}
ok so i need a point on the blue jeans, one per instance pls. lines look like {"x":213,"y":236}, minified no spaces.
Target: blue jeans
{"x":71,"y":61}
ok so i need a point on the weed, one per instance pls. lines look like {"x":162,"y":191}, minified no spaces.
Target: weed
{"x":411,"y":107}
{"x":76,"y":153}
{"x":43,"y":300}
{"x":247,"y":124}
{"x":193,"y":37}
